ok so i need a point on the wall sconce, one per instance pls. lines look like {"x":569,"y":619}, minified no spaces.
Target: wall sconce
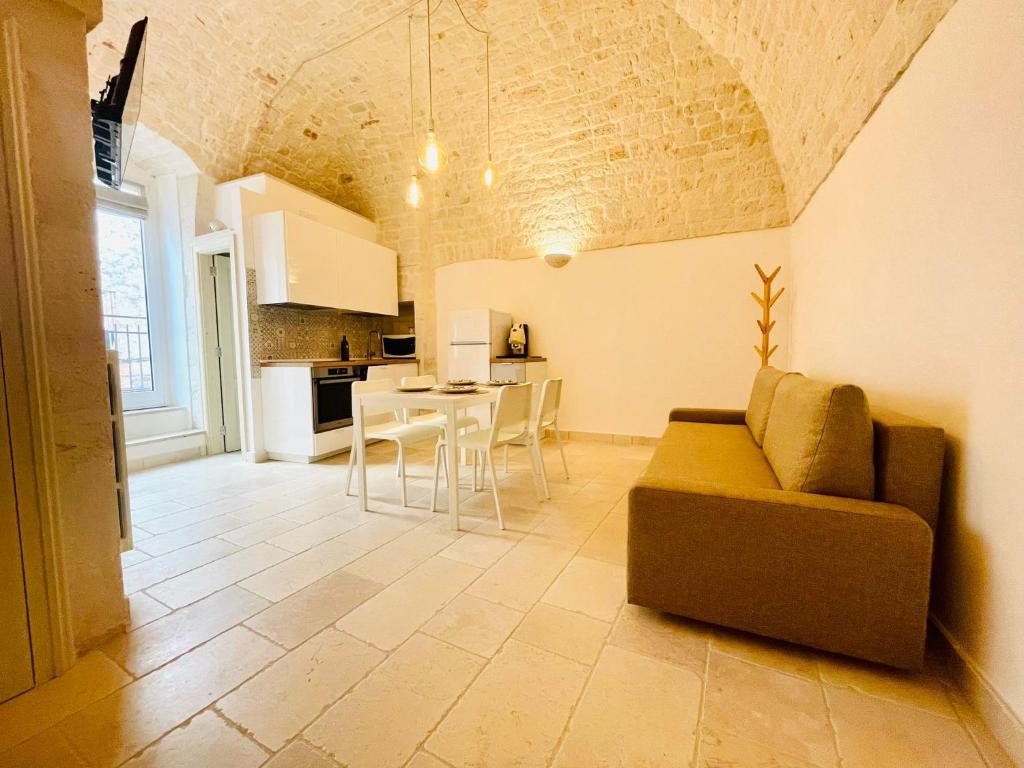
{"x":557,"y":260}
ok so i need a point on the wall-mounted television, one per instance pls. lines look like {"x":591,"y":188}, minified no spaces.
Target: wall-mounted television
{"x":116,"y":112}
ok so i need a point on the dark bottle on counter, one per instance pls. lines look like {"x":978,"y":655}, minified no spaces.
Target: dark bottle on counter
{"x":344,"y":348}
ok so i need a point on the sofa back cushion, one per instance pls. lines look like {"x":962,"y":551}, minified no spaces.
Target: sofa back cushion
{"x":819,"y":438}
{"x":761,"y":396}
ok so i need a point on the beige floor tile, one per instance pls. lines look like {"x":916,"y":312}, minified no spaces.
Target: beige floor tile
{"x":785,"y":657}
{"x":263,"y":508}
{"x":513,"y":713}
{"x":194,"y":515}
{"x":168,"y":542}
{"x":207,"y":579}
{"x":474,"y":624}
{"x":569,"y":634}
{"x":89,"y":680}
{"x":383,"y":720}
{"x":301,"y":570}
{"x":521,"y":577}
{"x":300,"y":684}
{"x":482,"y":548}
{"x":165,"y":639}
{"x":380,"y":529}
{"x":112,"y":730}
{"x":301,"y":615}
{"x":662,"y":636}
{"x":874,"y":733}
{"x":399,"y":556}
{"x":309,"y":535}
{"x":133,"y":557}
{"x":47,"y":750}
{"x":781,"y":711}
{"x":317,"y":508}
{"x":593,"y":587}
{"x":737,"y":752}
{"x":571,"y":526}
{"x":993,"y":752}
{"x":258,"y":531}
{"x":635,"y":711}
{"x":425,"y":760}
{"x":387,"y":619}
{"x":918,"y":689}
{"x":205,"y":741}
{"x":143,"y":609}
{"x":145,"y":575}
{"x":299,"y":754}
{"x":608,"y":541}
{"x":153,"y":511}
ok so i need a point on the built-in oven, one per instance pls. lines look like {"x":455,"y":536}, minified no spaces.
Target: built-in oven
{"x":399,"y":345}
{"x":332,"y":395}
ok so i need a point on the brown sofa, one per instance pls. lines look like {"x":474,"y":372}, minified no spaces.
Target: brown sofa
{"x":804,"y":518}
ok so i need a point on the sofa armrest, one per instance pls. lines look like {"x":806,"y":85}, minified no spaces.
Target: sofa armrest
{"x":708,"y":415}
{"x":844,"y":575}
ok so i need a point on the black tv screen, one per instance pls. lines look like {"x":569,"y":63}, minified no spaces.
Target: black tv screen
{"x":116,"y":112}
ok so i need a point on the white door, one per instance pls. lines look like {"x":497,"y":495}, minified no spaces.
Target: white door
{"x":16,"y":673}
{"x":219,"y":350}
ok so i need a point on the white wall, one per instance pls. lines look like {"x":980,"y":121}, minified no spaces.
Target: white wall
{"x":637,"y":330}
{"x":909,"y":280}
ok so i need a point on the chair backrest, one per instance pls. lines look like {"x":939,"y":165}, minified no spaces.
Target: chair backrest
{"x":550,"y":399}
{"x":426,"y":380}
{"x":511,"y":413}
{"x":368,"y":387}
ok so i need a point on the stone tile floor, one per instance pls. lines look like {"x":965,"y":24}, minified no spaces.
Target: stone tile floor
{"x":272,"y":623}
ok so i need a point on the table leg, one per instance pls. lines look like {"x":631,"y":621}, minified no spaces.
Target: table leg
{"x":359,"y":445}
{"x":453,"y":467}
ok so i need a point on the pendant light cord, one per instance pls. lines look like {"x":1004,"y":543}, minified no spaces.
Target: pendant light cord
{"x":412,"y":107}
{"x":430,"y":71}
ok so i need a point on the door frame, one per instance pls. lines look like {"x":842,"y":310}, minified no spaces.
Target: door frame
{"x":215,"y":243}
{"x":27,"y":376}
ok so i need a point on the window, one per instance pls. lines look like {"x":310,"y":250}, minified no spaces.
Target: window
{"x":130,"y":305}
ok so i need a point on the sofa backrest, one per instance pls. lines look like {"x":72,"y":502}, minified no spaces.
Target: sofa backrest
{"x":908,"y":463}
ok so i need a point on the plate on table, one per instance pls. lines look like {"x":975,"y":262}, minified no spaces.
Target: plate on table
{"x":460,"y":383}
{"x":499,"y":383}
{"x":414,"y":387}
{"x":459,"y":389}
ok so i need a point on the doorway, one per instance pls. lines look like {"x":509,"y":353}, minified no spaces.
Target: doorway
{"x":219,"y":352}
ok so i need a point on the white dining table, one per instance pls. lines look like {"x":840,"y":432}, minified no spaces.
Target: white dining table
{"x":432,"y":400}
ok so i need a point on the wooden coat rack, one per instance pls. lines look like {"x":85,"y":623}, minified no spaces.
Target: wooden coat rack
{"x":766,"y":301}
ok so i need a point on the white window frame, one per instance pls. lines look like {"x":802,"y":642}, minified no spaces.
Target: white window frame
{"x":135,"y":204}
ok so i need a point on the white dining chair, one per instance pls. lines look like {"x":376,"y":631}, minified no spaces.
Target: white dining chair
{"x":547,"y":418}
{"x":511,"y":422}
{"x":396,"y":431}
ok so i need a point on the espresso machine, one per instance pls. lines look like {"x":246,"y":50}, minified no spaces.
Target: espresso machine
{"x":519,"y":340}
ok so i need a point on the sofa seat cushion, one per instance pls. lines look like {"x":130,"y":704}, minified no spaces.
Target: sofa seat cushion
{"x":719,"y":454}
{"x":819,"y":438}
{"x":761,"y":396}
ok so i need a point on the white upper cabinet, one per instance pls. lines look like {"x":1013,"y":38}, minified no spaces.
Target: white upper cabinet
{"x":301,"y":261}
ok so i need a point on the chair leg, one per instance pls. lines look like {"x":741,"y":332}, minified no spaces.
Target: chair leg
{"x":506,"y":458}
{"x":438,"y":456}
{"x":401,"y":474}
{"x":494,"y":486}
{"x":484,"y":455}
{"x":474,"y":473}
{"x":561,"y":450}
{"x":444,"y":458}
{"x":539,"y":468}
{"x":351,"y":465}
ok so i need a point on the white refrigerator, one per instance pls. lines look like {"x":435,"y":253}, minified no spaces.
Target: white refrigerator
{"x":475,"y":336}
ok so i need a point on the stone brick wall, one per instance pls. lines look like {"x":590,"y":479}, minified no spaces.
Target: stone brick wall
{"x":613,"y":123}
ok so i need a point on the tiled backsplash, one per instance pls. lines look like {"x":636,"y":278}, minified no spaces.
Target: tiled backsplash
{"x":283,"y":333}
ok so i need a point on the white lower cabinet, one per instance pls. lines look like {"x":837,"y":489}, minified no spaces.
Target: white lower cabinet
{"x":287,"y":395}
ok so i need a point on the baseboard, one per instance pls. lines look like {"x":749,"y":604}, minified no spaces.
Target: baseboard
{"x":606,"y":437}
{"x":1001,"y":720}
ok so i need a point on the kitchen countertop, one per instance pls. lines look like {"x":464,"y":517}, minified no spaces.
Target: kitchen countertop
{"x":336,"y":361}
{"x":530,"y":359}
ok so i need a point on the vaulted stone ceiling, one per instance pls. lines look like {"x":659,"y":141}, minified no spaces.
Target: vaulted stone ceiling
{"x":613,"y":123}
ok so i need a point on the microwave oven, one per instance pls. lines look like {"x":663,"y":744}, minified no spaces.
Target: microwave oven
{"x":399,"y":345}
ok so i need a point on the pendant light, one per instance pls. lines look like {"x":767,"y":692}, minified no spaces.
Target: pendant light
{"x":432,"y":156}
{"x":414,"y":194}
{"x":489,"y":173}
